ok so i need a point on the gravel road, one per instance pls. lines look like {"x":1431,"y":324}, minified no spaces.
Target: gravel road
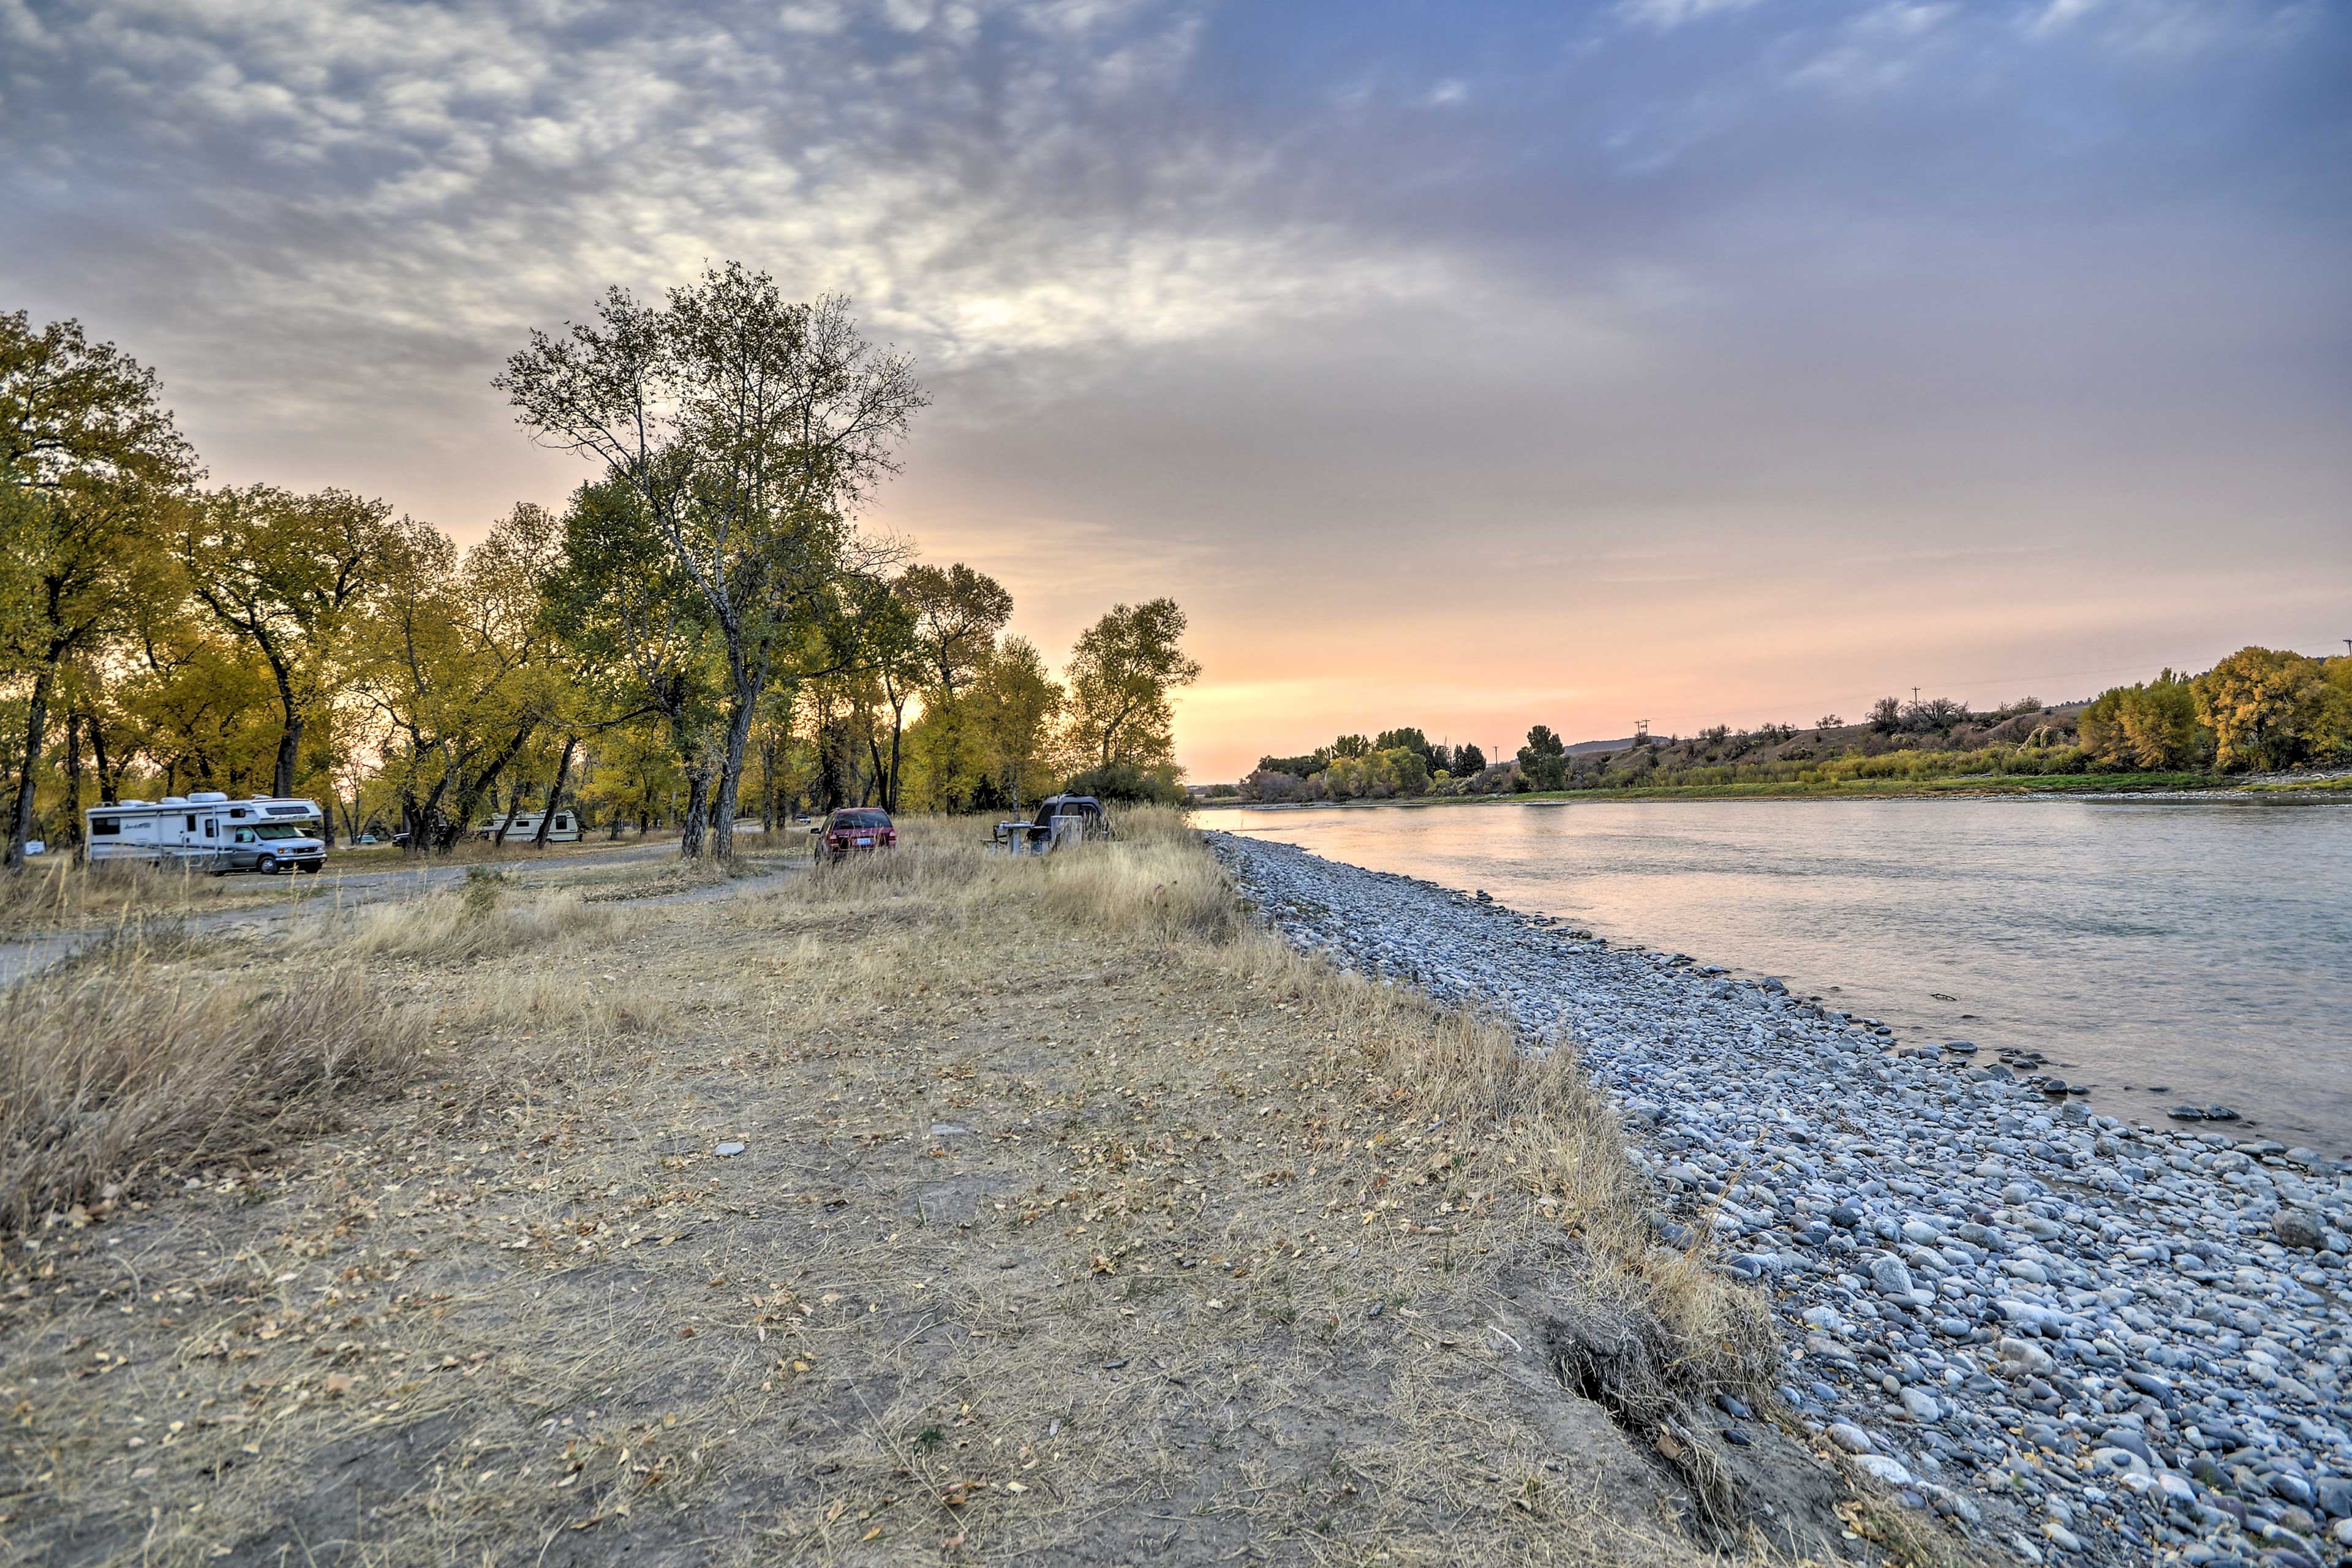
{"x":337,"y":889}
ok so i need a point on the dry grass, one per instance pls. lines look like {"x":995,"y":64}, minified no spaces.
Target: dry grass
{"x":461,"y":925}
{"x":1077,"y":1223}
{"x":134,"y":1063}
{"x":55,"y":893}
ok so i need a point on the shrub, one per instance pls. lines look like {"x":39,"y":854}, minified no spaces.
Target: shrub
{"x":2271,"y":709}
{"x":1126,"y":783}
{"x":2152,"y":725}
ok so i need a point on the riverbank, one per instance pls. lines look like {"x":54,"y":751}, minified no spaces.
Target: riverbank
{"x":2328,"y":785}
{"x":936,"y":1206}
{"x":2104,"y":1340}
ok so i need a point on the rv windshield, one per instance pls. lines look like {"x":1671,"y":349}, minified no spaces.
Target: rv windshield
{"x":276,"y":830}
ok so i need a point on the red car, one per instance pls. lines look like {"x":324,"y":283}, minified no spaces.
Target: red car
{"x":852,"y":830}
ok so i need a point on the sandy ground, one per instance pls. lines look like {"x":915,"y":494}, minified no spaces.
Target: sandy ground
{"x":1046,"y":1242}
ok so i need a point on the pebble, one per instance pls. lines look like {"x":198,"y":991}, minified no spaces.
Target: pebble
{"x":2134,"y":1339}
{"x":2295,"y":1229}
{"x":727,"y":1151}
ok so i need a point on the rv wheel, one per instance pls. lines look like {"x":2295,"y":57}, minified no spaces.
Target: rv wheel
{"x":267,"y":864}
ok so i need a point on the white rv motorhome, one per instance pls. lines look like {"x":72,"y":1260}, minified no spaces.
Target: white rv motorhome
{"x":565,"y":829}
{"x":209,"y":829}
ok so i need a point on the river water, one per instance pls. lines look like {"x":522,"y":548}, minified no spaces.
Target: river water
{"x":2163,"y":952}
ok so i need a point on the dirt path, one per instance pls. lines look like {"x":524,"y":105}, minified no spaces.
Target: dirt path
{"x":336,"y":890}
{"x":1044,"y":1244}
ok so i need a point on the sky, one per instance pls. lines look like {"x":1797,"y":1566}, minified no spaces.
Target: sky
{"x":1465,"y":367}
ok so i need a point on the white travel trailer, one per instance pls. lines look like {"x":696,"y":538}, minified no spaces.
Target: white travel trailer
{"x":209,"y":829}
{"x":564,"y":829}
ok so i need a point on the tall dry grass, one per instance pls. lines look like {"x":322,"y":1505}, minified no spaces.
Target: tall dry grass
{"x":54,"y":891}
{"x":145,"y":1057}
{"x":137,"y":1062}
{"x":1154,"y":883}
{"x":483,"y":917}
{"x":1687,"y":1330}
{"x":1565,"y":1140}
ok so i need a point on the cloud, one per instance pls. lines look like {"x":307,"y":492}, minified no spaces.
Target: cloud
{"x":1664,"y":15}
{"x":2174,"y":30}
{"x":1392,"y":350}
{"x":1877,"y":50}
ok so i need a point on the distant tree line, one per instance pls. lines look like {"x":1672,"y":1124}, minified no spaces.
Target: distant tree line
{"x":1392,"y":765}
{"x":701,"y":634}
{"x":2258,"y":708}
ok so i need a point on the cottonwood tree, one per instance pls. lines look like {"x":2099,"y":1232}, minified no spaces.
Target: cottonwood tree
{"x":198,"y":705}
{"x":2274,"y":708}
{"x":958,"y":613}
{"x":621,"y":597}
{"x":452,"y":664}
{"x":1014,"y":704}
{"x":285,"y":572}
{"x":1120,"y":674}
{"x":511,"y":649}
{"x":89,"y":463}
{"x":890,"y":646}
{"x":749,"y":429}
{"x":1543,"y":761}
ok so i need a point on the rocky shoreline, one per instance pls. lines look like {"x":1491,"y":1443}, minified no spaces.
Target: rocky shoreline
{"x":2091,"y":1340}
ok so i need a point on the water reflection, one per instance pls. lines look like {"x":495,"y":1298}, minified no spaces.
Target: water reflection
{"x":2205,"y":947}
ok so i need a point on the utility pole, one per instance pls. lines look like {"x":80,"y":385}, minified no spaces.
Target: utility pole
{"x":1640,"y":730}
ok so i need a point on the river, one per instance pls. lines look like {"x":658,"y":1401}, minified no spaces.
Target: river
{"x":2163,"y":952}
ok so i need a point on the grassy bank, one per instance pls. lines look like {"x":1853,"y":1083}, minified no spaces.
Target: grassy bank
{"x":1074,"y":1221}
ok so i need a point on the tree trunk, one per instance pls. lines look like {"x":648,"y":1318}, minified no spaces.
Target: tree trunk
{"x":555,"y":792}
{"x":108,"y":781}
{"x":880,"y":778}
{"x":471,"y":794}
{"x":768,"y":784}
{"x":281,"y":784}
{"x":698,"y":800}
{"x":37,"y":720}
{"x":748,"y":685}
{"x":70,"y":832}
{"x":898,"y":734}
{"x":514,"y":809}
